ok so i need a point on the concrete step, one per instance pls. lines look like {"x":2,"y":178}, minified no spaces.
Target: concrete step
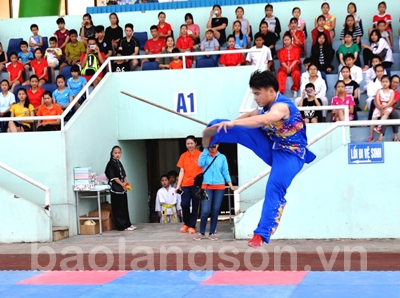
{"x":60,"y":233}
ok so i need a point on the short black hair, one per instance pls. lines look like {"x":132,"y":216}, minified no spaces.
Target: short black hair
{"x":268,"y":6}
{"x":183,"y":25}
{"x":376,"y":57}
{"x":75,"y":68}
{"x":381,"y":21}
{"x":189,"y":16}
{"x":129,"y":25}
{"x":348,"y":55}
{"x":34,"y":26}
{"x":153,"y":27}
{"x":263,"y":79}
{"x":321,"y":17}
{"x":12,"y":54}
{"x":258,"y":35}
{"x":383,"y":2}
{"x":60,"y":21}
{"x":60,"y":76}
{"x":307,"y":61}
{"x":53,"y":39}
{"x":355,"y":6}
{"x":34,"y":77}
{"x":73,"y":31}
{"x":310,"y":85}
{"x":172,"y":173}
{"x":23,"y":43}
{"x":217,"y":6}
{"x":189,"y":137}
{"x":293,"y":20}
{"x":175,"y":50}
{"x":99,"y":28}
{"x":164,"y":176}
{"x":91,"y":38}
{"x":230,"y":36}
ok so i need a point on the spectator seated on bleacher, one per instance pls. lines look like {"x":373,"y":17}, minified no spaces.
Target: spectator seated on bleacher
{"x":35,"y":41}
{"x":105,"y":45}
{"x":378,"y":46}
{"x":298,"y":37}
{"x":39,"y":67}
{"x":62,"y":35}
{"x":342,"y":98}
{"x":21,"y":109}
{"x":320,"y":28}
{"x":63,"y":96}
{"x":374,"y":86}
{"x":3,"y":58}
{"x":53,"y":55}
{"x":348,"y":47}
{"x":185,"y":44}
{"x":130,"y":45}
{"x":385,"y":34}
{"x":25,"y":57}
{"x":394,"y":84}
{"x":309,"y":99}
{"x":49,"y":109}
{"x":35,"y":93}
{"x":322,"y":55}
{"x":231,"y":59}
{"x":301,"y":24}
{"x":319,"y":85}
{"x":269,"y":38}
{"x":289,"y":58}
{"x":7,"y":99}
{"x":218,"y":24}
{"x":274,"y":25}
{"x":15,"y":70}
{"x":382,"y":16}
{"x":355,"y":71}
{"x":154,"y":45}
{"x":330,"y":20}
{"x":120,"y":65}
{"x":114,"y":32}
{"x":91,"y":61}
{"x":351,"y":86}
{"x":193,"y":29}
{"x":370,"y":73}
{"x":165,"y":61}
{"x":73,"y":50}
{"x":352,"y":10}
{"x":266,"y":59}
{"x":164,"y":29}
{"x":76,"y":83}
{"x":350,"y":26}
{"x":241,"y":39}
{"x":246,"y":29}
{"x":209,"y":43}
{"x":176,"y":62}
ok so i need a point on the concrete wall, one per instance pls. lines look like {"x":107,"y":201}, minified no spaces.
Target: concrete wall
{"x":143,"y":20}
{"x":333,"y":199}
{"x":23,"y":221}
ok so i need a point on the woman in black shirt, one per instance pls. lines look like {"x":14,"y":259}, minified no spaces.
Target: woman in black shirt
{"x":322,"y":55}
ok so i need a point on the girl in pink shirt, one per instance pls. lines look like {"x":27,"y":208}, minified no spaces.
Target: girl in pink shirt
{"x":342,"y":98}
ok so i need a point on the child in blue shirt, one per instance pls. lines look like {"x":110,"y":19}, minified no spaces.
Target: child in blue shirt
{"x":76,"y":83}
{"x":62,"y":95}
{"x":25,"y":57}
{"x":35,"y":41}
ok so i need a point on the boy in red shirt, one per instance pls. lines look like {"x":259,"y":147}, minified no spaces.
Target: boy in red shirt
{"x":231,"y":59}
{"x":14,"y":70}
{"x":185,"y":44}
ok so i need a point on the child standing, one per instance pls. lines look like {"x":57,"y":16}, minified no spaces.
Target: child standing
{"x":25,"y":57}
{"x":15,"y":69}
{"x":35,"y":41}
{"x":176,"y":63}
{"x":62,"y":35}
{"x":244,"y":22}
{"x":352,"y":10}
{"x":3,"y":58}
{"x":342,"y":98}
{"x":383,"y":107}
{"x":231,"y":59}
{"x":330,"y":23}
{"x":240,"y":39}
{"x":289,"y":57}
{"x":168,"y":203}
{"x":39,"y":68}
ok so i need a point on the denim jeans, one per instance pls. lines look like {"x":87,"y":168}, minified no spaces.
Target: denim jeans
{"x":212,"y":205}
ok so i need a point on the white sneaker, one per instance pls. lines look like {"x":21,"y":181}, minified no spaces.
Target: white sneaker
{"x":294,"y":94}
{"x":133,"y":227}
{"x":129,"y":229}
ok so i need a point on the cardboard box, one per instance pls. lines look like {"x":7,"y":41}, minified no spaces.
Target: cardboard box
{"x":89,"y":230}
{"x":107,"y":220}
{"x":106,"y":206}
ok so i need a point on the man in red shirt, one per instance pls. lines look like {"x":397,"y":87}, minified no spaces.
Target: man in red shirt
{"x":91,"y":61}
{"x":155,"y":45}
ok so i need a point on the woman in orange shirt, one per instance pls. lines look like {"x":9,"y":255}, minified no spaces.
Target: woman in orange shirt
{"x":189,"y":169}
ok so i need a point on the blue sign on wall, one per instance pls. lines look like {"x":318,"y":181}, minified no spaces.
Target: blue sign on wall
{"x":366,"y":153}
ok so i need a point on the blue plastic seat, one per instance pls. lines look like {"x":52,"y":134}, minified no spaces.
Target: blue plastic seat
{"x":142,"y":37}
{"x":66,"y":72}
{"x":153,"y":65}
{"x":202,"y":63}
{"x":45,"y":43}
{"x":13,"y":46}
{"x":49,"y":87}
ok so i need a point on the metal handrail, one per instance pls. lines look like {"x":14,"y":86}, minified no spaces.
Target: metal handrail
{"x":85,"y":90}
{"x":31,"y":181}
{"x":319,"y":136}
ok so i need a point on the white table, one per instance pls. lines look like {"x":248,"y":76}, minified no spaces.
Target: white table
{"x":97,"y":192}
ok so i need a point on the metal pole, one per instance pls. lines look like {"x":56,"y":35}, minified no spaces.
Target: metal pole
{"x":164,"y":108}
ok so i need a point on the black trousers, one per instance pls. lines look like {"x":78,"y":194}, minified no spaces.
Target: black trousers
{"x":189,"y":195}
{"x":48,"y":128}
{"x":367,"y":57}
{"x":393,"y":115}
{"x":119,"y":206}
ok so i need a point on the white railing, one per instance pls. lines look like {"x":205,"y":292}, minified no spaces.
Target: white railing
{"x":31,"y":181}
{"x":319,"y":136}
{"x":107,"y":63}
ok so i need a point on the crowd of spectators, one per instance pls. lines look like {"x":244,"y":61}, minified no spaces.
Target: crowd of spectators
{"x":83,"y":51}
